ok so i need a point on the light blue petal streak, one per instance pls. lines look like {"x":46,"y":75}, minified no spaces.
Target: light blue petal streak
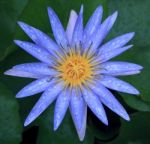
{"x":95,"y":105}
{"x":116,"y":68}
{"x":93,"y":23}
{"x":45,"y":100}
{"x":40,"y":38}
{"x":36,"y":51}
{"x":107,"y":55}
{"x":36,"y":68}
{"x":57,"y":28}
{"x":18,"y":73}
{"x":118,"y":85}
{"x":62,"y":104}
{"x":78,"y":109}
{"x":71,"y":24}
{"x":117,"y":42}
{"x":107,"y":98}
{"x":78,"y":30}
{"x":35,"y":87}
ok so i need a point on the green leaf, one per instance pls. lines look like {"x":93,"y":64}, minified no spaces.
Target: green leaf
{"x":137,"y":103}
{"x":10,"y":125}
{"x":133,"y":16}
{"x":66,"y":133}
{"x":9,"y":13}
{"x":136,"y":131}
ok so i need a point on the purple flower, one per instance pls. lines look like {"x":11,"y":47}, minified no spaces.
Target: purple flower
{"x":75,"y":70}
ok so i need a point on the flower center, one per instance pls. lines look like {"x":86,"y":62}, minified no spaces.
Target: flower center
{"x":75,"y":69}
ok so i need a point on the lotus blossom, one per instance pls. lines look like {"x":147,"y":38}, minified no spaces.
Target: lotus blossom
{"x":75,"y":69}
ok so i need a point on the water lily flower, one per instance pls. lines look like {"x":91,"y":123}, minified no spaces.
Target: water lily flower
{"x":75,"y":69}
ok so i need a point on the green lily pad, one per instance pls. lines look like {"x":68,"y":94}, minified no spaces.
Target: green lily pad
{"x":10,"y":125}
{"x":9,"y":13}
{"x":136,"y":131}
{"x":133,"y":16}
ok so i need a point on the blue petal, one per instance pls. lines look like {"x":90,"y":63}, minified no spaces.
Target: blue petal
{"x":78,"y":30}
{"x":118,"y":68}
{"x":78,"y":109}
{"x":18,"y":73}
{"x":35,"y":87}
{"x":93,"y":23}
{"x":36,"y":68}
{"x":117,"y":42}
{"x":100,"y":33}
{"x":45,"y":100}
{"x":57,"y":28}
{"x":109,"y":100}
{"x":107,"y":55}
{"x":95,"y":105}
{"x":61,"y":106}
{"x":118,"y":85}
{"x":71,"y":25}
{"x":39,"y":37}
{"x":35,"y":51}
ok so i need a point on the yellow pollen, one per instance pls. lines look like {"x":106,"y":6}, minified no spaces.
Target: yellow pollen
{"x":75,"y":69}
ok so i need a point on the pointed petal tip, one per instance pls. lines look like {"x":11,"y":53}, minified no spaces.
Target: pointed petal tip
{"x":99,"y":9}
{"x":27,"y":122}
{"x":132,"y":34}
{"x":20,"y":23}
{"x":73,"y":12}
{"x":81,"y":9}
{"x":56,"y":124}
{"x":8,"y":72}
{"x":17,"y":42}
{"x":50,"y":11}
{"x":105,"y":122}
{"x":19,"y":95}
{"x":126,"y":117}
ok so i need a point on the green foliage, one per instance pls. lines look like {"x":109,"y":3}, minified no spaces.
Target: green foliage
{"x":9,"y":14}
{"x":135,"y":132}
{"x":10,"y":125}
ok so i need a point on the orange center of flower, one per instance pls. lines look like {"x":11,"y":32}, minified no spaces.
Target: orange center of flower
{"x":75,"y":69}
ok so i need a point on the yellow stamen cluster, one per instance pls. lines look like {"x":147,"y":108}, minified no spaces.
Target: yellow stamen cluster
{"x":75,"y":69}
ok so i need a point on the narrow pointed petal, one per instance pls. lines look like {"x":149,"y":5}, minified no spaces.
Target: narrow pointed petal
{"x":111,"y":20}
{"x":77,"y":108}
{"x":107,"y":55}
{"x":93,"y":23}
{"x":109,"y":100}
{"x":95,"y":105}
{"x":45,"y":100}
{"x":57,"y":28}
{"x":35,"y":87}
{"x":18,"y":73}
{"x":71,"y":25}
{"x":81,"y":132}
{"x":117,"y":42}
{"x":36,"y":68}
{"x":78,"y":30}
{"x":100,"y":33}
{"x":39,"y":37}
{"x":119,"y":68}
{"x":118,"y":85}
{"x":62,"y":104}
{"x":35,"y":51}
